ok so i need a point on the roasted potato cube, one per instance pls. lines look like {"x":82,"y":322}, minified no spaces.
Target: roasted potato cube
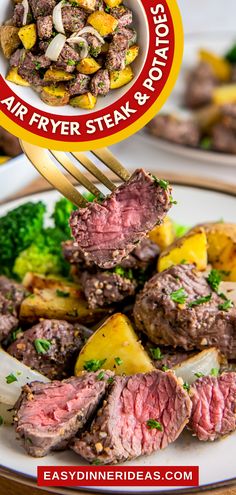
{"x":113,"y":3}
{"x":56,"y":75}
{"x":88,"y":5}
{"x":191,"y":248}
{"x":28,"y":35}
{"x":120,"y":78}
{"x":15,"y":78}
{"x":55,"y":95}
{"x":88,"y":66}
{"x":68,"y":304}
{"x":131,"y":54}
{"x":86,"y":101}
{"x":163,"y":235}
{"x":221,"y":238}
{"x":104,"y":23}
{"x":116,"y":343}
{"x":35,"y":281}
{"x":9,"y":40}
{"x":220,"y":66}
{"x":224,"y":94}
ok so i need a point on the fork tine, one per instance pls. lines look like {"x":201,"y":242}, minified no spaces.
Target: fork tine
{"x":45,"y":166}
{"x":89,"y":165}
{"x":66,"y":163}
{"x":107,"y":157}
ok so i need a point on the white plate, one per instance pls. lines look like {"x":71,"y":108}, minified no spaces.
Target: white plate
{"x":14,"y":175}
{"x":32,"y":98}
{"x":217,"y":461}
{"x":218,"y":43}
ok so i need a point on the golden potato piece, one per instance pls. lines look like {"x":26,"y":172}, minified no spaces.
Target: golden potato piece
{"x":88,"y":66}
{"x":89,"y":5}
{"x":220,"y":66}
{"x":113,"y":3}
{"x":163,"y":235}
{"x":28,"y":35}
{"x":55,"y":95}
{"x":131,"y":54}
{"x":191,"y":248}
{"x":56,"y":75}
{"x":221,"y":238}
{"x":86,"y":101}
{"x":120,"y":78}
{"x":9,"y":40}
{"x":4,"y":159}
{"x":117,"y":343}
{"x":104,"y":23}
{"x":15,"y":78}
{"x":224,"y":94}
{"x":36,"y":281}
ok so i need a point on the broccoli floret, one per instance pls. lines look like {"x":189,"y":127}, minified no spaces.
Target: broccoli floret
{"x":18,"y":229}
{"x":62,"y":211}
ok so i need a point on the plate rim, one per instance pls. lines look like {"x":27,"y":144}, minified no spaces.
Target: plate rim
{"x":27,"y":480}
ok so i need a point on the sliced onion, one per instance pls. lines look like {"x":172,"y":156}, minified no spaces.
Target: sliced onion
{"x":91,"y":30}
{"x":26,"y":11}
{"x":57,"y":18}
{"x":203,"y":362}
{"x":9,"y":392}
{"x":75,"y":39}
{"x":54,"y":49}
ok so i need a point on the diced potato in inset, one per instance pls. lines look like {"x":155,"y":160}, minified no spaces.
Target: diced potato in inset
{"x":191,"y":249}
{"x":28,"y":35}
{"x":9,"y":40}
{"x":56,"y":75}
{"x":220,"y":66}
{"x":86,"y":101}
{"x":120,"y":78}
{"x":89,"y":5}
{"x":163,"y":235}
{"x":224,"y":94}
{"x":15,"y":78}
{"x":55,"y":95}
{"x":113,"y":3}
{"x":88,"y":66}
{"x":117,"y":343}
{"x":104,"y":23}
{"x":131,"y":54}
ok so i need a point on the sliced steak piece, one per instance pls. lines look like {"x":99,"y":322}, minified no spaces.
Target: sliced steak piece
{"x":123,"y":15}
{"x":79,"y":85}
{"x":29,"y":68}
{"x":73,"y":18}
{"x":200,"y":84}
{"x":106,"y":233}
{"x":44,"y":27}
{"x":67,"y":60}
{"x":167,"y":322}
{"x":56,"y":360}
{"x":185,"y":132}
{"x":214,"y":406}
{"x":124,"y":38}
{"x":121,"y":429}
{"x":18,"y":15}
{"x":42,"y":8}
{"x":105,"y":288}
{"x":116,"y":58}
{"x":48,"y":415}
{"x":11,"y":296}
{"x":100,"y":83}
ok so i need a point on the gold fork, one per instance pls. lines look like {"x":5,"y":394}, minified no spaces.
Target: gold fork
{"x":43,"y":162}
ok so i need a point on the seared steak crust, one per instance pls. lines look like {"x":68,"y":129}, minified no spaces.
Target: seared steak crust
{"x":11,"y":296}
{"x":120,"y":430}
{"x":168,"y":323}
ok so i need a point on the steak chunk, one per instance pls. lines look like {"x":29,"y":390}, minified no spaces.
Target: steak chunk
{"x":45,"y":27}
{"x":224,"y":138}
{"x":56,"y":360}
{"x":48,"y":415}
{"x":106,"y":233}
{"x":105,"y":288}
{"x":167,"y":322}
{"x":18,"y":15}
{"x":123,"y":15}
{"x":73,"y":19}
{"x":214,"y":406}
{"x":185,"y":132}
{"x":42,"y":7}
{"x":100,"y":83}
{"x":79,"y":85}
{"x":201,"y":82}
{"x":68,"y":58}
{"x":11,"y":297}
{"x":29,"y":68}
{"x":121,"y":429}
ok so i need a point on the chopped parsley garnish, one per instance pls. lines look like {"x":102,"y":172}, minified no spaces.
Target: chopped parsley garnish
{"x":11,"y":378}
{"x":152,"y":424}
{"x":100,"y":376}
{"x":165,"y":368}
{"x":186,"y":386}
{"x":37,"y":65}
{"x":61,"y":293}
{"x":179,"y":296}
{"x":15,"y":334}
{"x":42,"y":346}
{"x":199,"y":374}
{"x":124,"y":272}
{"x":156,"y":353}
{"x":200,"y":300}
{"x":225,"y":306}
{"x":101,"y":84}
{"x":1,"y":420}
{"x":110,"y":380}
{"x":180,"y":230}
{"x":118,"y":361}
{"x":71,"y":62}
{"x":94,"y":364}
{"x":214,"y":279}
{"x":172,"y":201}
{"x":96,"y":462}
{"x":214,"y":372}
{"x":164,"y":184}
{"x":206,"y":143}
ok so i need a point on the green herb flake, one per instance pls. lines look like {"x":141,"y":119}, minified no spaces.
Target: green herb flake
{"x":100,"y":376}
{"x":214,"y":372}
{"x":61,"y":293}
{"x":15,"y":334}
{"x":42,"y":346}
{"x":110,"y":380}
{"x":94,"y":364}
{"x":156,"y":353}
{"x":199,"y":301}
{"x":206,"y":143}
{"x":118,"y":361}
{"x":199,"y":374}
{"x":71,"y":62}
{"x":172,"y":201}
{"x":186,"y":386}
{"x":11,"y":378}
{"x":214,"y":279}
{"x":124,"y":272}
{"x":165,"y":368}
{"x":152,"y":424}
{"x":179,"y":296}
{"x":164,"y":184}
{"x":226,"y":305}
{"x":96,"y":462}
